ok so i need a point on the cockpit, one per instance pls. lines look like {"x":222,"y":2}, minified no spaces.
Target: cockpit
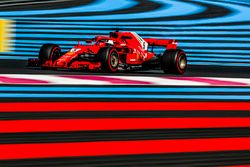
{"x":105,"y":41}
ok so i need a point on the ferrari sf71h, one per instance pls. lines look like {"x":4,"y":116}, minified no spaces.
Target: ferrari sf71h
{"x":123,"y":50}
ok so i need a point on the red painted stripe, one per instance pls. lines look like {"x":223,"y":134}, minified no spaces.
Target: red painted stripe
{"x":108,"y":79}
{"x":24,"y":151}
{"x":120,"y":106}
{"x":213,"y":82}
{"x":15,"y":126}
{"x":10,"y":80}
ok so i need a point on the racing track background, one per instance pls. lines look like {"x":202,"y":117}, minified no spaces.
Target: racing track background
{"x":133,"y":118}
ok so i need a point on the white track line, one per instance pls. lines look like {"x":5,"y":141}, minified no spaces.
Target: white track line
{"x":52,"y":79}
{"x":240,"y":80}
{"x":162,"y":81}
{"x":60,"y":80}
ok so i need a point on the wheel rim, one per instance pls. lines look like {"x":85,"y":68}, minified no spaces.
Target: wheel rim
{"x":182,"y":62}
{"x":114,"y":60}
{"x":56,"y":54}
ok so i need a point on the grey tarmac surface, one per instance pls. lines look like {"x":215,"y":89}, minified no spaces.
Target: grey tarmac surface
{"x":19,"y":67}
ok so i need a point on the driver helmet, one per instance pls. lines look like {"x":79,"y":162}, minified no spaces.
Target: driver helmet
{"x":111,"y":42}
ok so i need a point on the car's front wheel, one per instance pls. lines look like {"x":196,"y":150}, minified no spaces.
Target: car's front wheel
{"x":109,"y":59}
{"x":49,"y":52}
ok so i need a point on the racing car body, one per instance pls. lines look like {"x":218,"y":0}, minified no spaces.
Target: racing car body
{"x":119,"y":49}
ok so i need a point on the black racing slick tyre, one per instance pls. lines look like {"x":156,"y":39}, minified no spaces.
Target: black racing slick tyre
{"x":109,"y":59}
{"x":49,"y":52}
{"x":174,"y":61}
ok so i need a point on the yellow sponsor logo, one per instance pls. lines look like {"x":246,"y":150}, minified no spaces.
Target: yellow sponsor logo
{"x":5,"y":35}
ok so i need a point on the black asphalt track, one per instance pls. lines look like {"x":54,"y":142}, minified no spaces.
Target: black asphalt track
{"x":19,"y":67}
{"x":204,"y":159}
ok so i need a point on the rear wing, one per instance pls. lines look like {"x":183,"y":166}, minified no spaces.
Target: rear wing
{"x":168,"y":43}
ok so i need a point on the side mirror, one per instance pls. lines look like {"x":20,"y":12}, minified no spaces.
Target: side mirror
{"x":89,"y":41}
{"x":126,"y":37}
{"x":113,"y":35}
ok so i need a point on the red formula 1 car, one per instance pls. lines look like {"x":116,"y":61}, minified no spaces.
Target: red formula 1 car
{"x":125,"y":50}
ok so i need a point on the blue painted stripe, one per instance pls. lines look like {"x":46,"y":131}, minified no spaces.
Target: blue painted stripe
{"x":125,"y":96}
{"x":20,"y":45}
{"x":220,"y":64}
{"x":16,"y":57}
{"x":163,"y":32}
{"x":28,"y":49}
{"x":72,"y":24}
{"x":240,"y":1}
{"x":170,"y":8}
{"x":142,"y":33}
{"x":20,"y":53}
{"x":240,"y":13}
{"x":212,"y":45}
{"x":236,"y":51}
{"x":122,"y":89}
{"x":211,"y":56}
{"x":101,"y":5}
{"x":80,"y":25}
{"x":219,"y":60}
{"x":73,"y":42}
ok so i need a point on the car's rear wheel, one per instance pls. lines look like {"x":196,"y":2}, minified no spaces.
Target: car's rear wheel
{"x":49,"y":52}
{"x":109,"y":59}
{"x":174,"y":61}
